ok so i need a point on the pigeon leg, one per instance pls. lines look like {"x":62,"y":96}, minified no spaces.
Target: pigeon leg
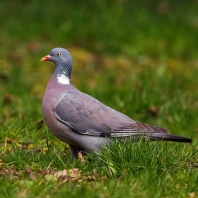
{"x":75,"y":150}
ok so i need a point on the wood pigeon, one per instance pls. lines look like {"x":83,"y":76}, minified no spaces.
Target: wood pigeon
{"x":82,"y":121}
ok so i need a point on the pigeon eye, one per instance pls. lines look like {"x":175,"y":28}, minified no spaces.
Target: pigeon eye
{"x":58,"y":53}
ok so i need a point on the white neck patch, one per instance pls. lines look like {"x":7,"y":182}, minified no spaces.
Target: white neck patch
{"x":62,"y":79}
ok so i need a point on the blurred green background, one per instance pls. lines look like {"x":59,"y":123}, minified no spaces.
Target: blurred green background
{"x":134,"y":28}
{"x":139,"y":57}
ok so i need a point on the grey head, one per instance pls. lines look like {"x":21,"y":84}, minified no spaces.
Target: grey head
{"x":63,"y":61}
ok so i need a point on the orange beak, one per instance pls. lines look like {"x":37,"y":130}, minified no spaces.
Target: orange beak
{"x":46,"y":58}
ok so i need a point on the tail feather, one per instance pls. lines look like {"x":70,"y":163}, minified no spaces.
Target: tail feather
{"x":170,"y":137}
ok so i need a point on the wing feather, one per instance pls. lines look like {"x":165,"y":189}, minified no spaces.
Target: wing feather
{"x":86,"y":115}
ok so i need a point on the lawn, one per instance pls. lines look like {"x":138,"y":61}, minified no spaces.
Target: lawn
{"x":138,"y":57}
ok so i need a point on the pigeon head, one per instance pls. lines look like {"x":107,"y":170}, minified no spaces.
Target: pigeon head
{"x":63,"y":61}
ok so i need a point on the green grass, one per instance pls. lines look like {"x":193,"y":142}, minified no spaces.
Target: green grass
{"x":138,"y":57}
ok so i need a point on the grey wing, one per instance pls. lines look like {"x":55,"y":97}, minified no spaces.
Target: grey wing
{"x":86,"y":115}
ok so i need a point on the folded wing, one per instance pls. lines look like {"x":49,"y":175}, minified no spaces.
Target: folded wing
{"x":87,"y":115}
